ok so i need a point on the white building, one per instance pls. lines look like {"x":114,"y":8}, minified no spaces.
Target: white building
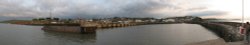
{"x":169,"y":20}
{"x":152,"y":20}
{"x":138,"y":21}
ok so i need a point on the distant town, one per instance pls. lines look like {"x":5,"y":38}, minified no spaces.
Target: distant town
{"x":116,"y":20}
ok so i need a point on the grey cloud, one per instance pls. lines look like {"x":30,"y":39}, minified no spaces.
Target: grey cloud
{"x":197,"y":8}
{"x":93,"y":8}
{"x":207,"y":13}
{"x":139,"y":8}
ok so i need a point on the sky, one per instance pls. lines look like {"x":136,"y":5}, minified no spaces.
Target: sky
{"x":27,"y":9}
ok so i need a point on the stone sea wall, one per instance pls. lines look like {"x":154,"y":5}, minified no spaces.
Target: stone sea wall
{"x":74,"y":29}
{"x":227,"y":31}
{"x":70,"y":29}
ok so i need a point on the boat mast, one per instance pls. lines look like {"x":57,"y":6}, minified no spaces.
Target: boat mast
{"x":50,"y":16}
{"x":50,"y":13}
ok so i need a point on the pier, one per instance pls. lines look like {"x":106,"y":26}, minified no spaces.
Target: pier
{"x":87,"y":27}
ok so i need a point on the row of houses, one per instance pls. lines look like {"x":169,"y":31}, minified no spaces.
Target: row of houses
{"x":123,"y":20}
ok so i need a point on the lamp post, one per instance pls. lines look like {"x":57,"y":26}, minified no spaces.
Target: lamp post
{"x":243,"y":21}
{"x":243,"y":12}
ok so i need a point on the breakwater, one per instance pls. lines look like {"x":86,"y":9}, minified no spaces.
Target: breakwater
{"x":71,"y":28}
{"x":87,"y":27}
{"x":226,"y":30}
{"x":75,"y":29}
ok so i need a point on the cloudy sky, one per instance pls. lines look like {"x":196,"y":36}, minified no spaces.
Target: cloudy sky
{"x":23,"y":9}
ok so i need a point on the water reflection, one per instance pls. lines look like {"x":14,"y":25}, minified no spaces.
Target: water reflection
{"x":162,"y":34}
{"x":71,"y":38}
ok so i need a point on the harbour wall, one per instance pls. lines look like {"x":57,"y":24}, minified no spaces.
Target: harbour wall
{"x":70,"y":29}
{"x":224,"y":30}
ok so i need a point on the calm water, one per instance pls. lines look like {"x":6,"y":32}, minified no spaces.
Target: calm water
{"x":164,"y":34}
